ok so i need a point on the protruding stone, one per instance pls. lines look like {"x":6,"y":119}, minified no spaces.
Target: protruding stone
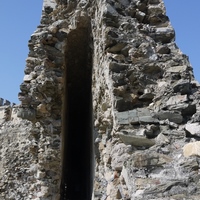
{"x":163,"y":49}
{"x":29,"y":77}
{"x":149,"y":159}
{"x":191,"y":149}
{"x":193,"y":129}
{"x":119,"y":155}
{"x":136,"y":140}
{"x":175,"y":117}
{"x":183,"y":86}
{"x":116,"y":48}
{"x":177,"y":69}
{"x":164,"y":34}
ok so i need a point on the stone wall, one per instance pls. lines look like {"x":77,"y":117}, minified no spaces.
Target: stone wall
{"x":146,"y":109}
{"x":4,"y":102}
{"x":7,"y":110}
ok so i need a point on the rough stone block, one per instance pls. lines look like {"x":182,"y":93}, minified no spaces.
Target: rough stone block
{"x":175,"y":117}
{"x":148,"y":159}
{"x":192,"y":149}
{"x":193,"y":129}
{"x":135,"y":140}
{"x":117,"y":68}
{"x":183,"y":86}
{"x":26,"y":113}
{"x":133,"y":117}
{"x":49,"y":3}
{"x":122,"y":117}
{"x":177,"y":69}
{"x":148,"y":120}
{"x":177,"y":99}
{"x":164,"y":34}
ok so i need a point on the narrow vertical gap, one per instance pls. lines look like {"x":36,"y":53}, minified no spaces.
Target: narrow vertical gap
{"x":77,"y":135}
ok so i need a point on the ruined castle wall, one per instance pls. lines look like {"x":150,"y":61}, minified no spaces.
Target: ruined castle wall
{"x":145,"y":105}
{"x":8,"y":111}
{"x":14,"y":153}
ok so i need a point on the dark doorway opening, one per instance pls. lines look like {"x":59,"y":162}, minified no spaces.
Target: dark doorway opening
{"x":77,"y":134}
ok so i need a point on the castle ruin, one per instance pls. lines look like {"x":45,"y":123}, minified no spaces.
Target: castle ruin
{"x":109,"y":108}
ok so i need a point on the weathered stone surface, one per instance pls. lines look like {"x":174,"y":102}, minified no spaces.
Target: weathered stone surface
{"x":116,"y":67}
{"x":119,"y":154}
{"x":5,"y":113}
{"x":163,"y":49}
{"x":149,"y":160}
{"x":193,"y":129}
{"x":49,"y":3}
{"x":196,"y":117}
{"x":178,"y":99}
{"x":26,"y":113}
{"x":175,"y":117}
{"x":191,"y":149}
{"x":116,"y":48}
{"x":164,"y":35}
{"x":136,"y":140}
{"x":136,"y":116}
{"x":145,"y":106}
{"x":177,"y":69}
{"x":182,"y":86}
{"x":162,"y":139}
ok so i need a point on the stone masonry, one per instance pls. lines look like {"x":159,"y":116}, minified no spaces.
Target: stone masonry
{"x":145,"y":105}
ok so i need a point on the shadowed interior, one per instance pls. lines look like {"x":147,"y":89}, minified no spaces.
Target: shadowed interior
{"x":77,"y":136}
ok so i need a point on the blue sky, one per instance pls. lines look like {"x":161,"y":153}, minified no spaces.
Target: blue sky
{"x":19,"y":20}
{"x":185,"y":18}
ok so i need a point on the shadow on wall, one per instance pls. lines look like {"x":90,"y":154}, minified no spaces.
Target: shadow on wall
{"x":77,"y":136}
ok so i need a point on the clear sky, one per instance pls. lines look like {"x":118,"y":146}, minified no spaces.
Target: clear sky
{"x":185,"y":18}
{"x":19,"y":20}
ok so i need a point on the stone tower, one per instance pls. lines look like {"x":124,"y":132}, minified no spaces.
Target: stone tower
{"x":109,"y":108}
